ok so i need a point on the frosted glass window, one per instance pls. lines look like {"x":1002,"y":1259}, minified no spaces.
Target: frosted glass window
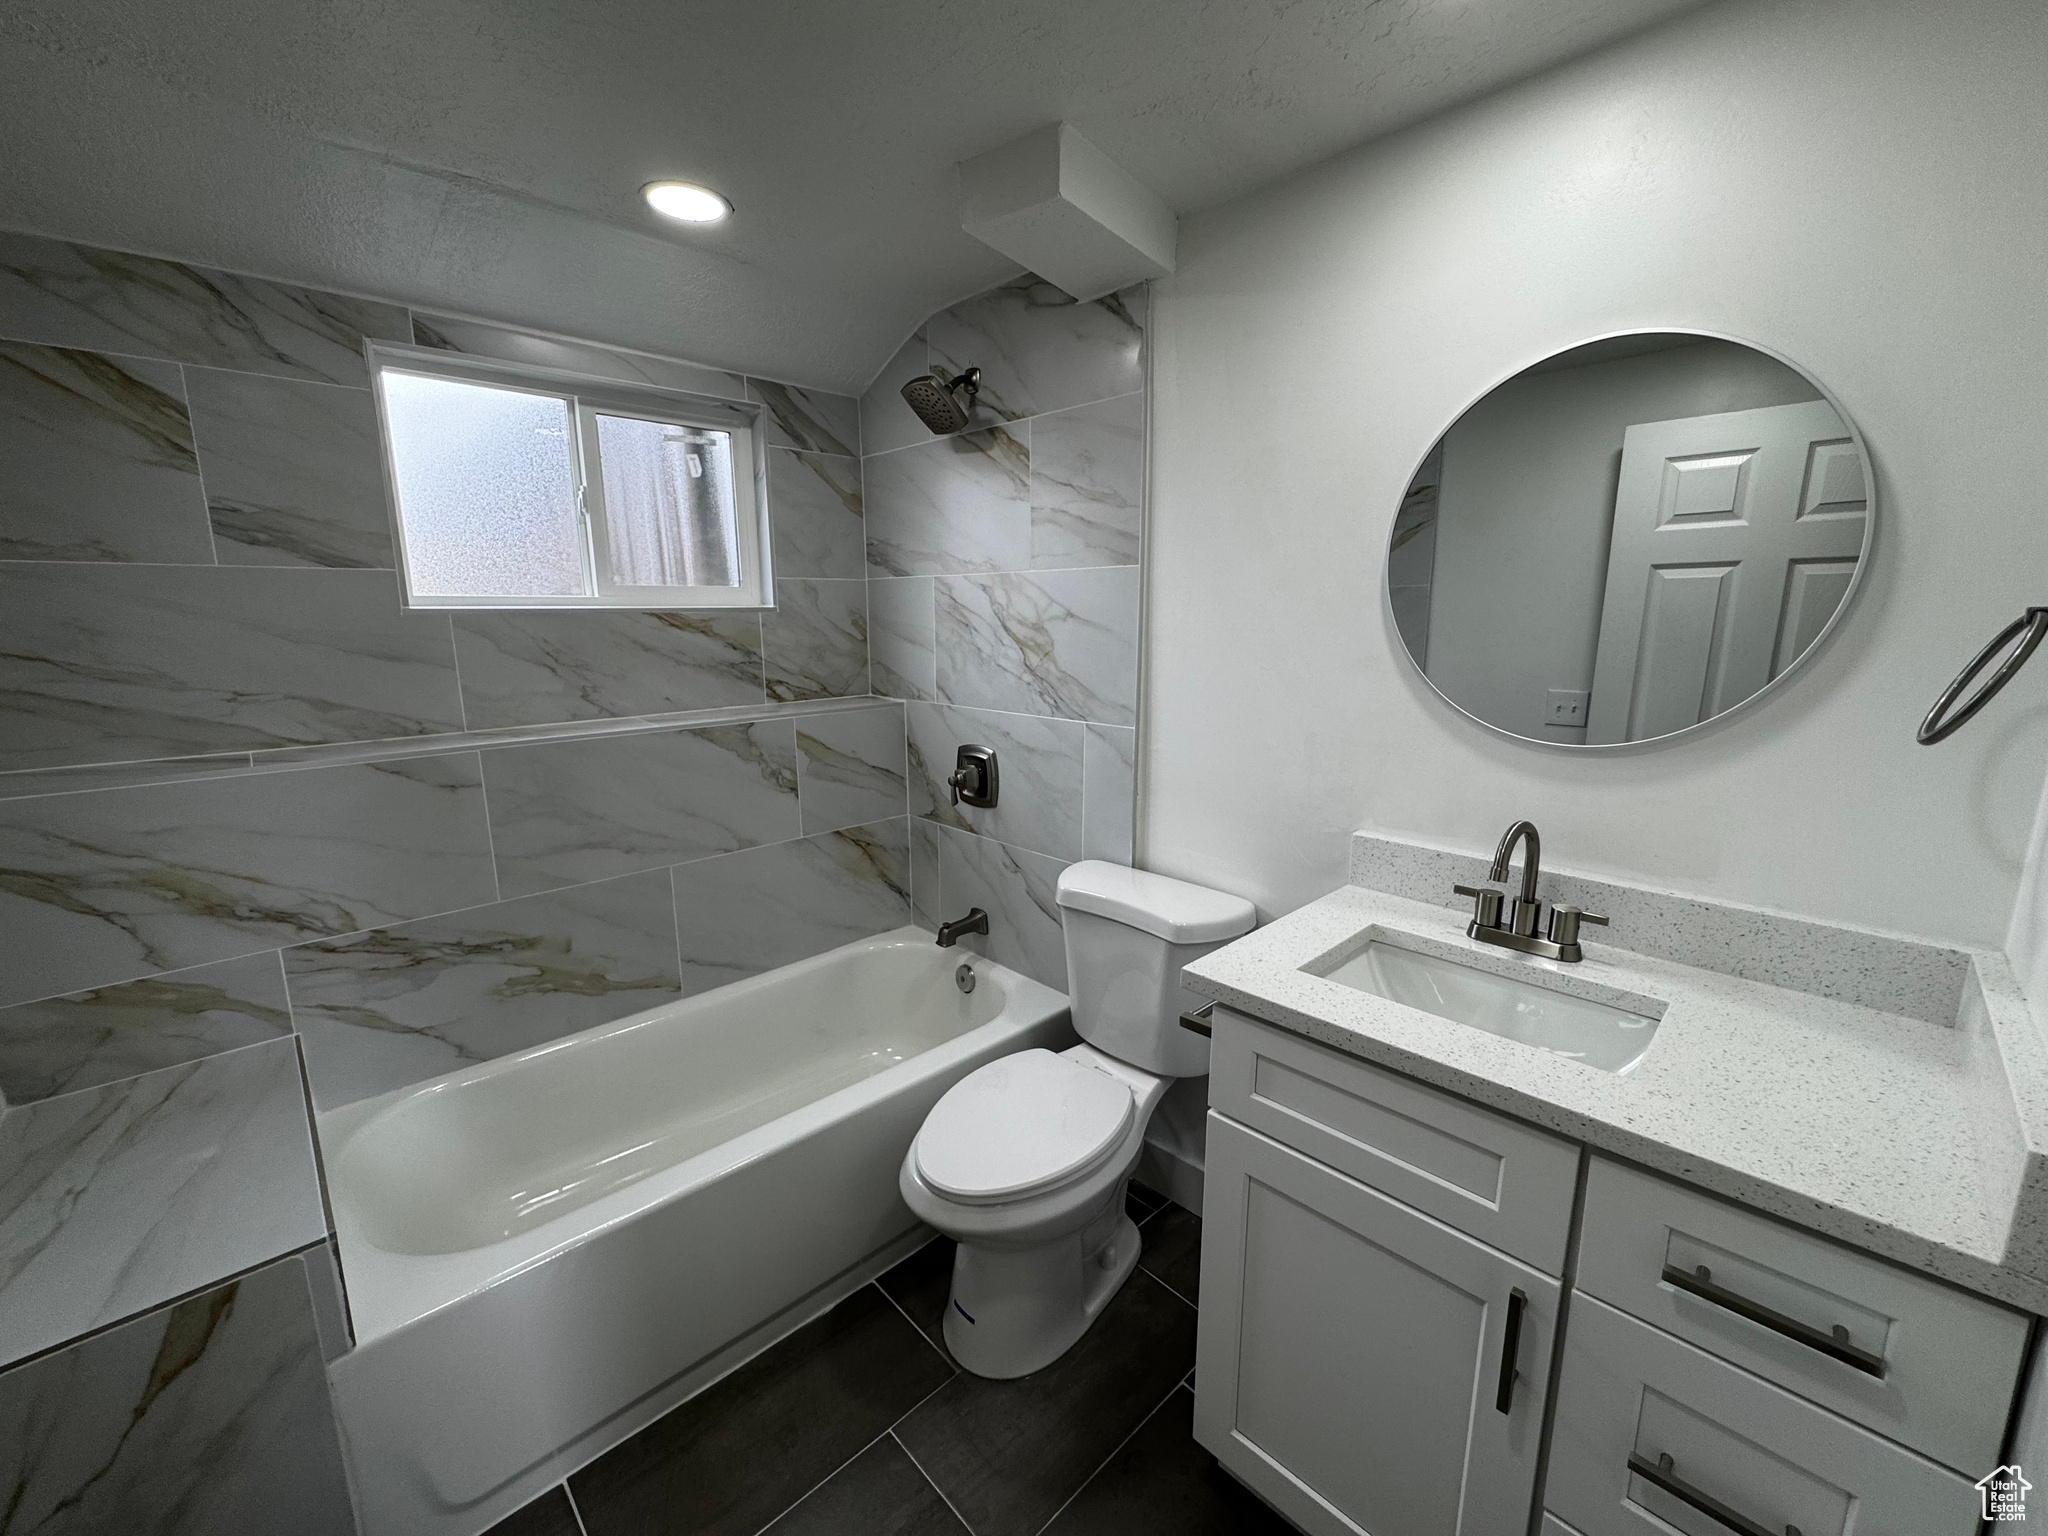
{"x":670,"y":508}
{"x":513,"y":488}
{"x":486,"y":484}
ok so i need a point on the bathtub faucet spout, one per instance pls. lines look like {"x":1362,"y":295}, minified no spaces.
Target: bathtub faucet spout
{"x":976,"y":921}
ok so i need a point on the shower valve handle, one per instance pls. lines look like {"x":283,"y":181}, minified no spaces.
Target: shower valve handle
{"x":973,"y":778}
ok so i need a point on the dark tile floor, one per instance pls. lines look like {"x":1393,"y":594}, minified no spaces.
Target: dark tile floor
{"x":859,"y":1424}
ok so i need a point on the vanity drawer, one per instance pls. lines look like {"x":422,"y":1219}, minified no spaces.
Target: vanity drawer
{"x":1938,"y":1365}
{"x":1631,"y":1395}
{"x":1498,"y":1180}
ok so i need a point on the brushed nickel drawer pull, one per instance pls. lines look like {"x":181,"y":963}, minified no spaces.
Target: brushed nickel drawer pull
{"x":1835,"y":1345}
{"x":1661,"y":1475}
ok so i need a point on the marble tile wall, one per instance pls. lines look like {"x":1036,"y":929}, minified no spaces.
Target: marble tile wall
{"x":204,"y":1416}
{"x":1004,"y":571}
{"x":271,"y":844}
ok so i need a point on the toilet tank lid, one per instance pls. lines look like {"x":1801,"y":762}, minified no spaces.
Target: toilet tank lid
{"x":1168,"y":909}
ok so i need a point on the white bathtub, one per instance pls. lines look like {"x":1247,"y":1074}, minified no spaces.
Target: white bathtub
{"x":545,"y":1252}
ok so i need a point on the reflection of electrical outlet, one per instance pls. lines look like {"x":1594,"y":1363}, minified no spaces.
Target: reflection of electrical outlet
{"x":1565,"y":706}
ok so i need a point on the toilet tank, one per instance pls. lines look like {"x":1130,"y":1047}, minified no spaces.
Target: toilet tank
{"x":1128,"y":934}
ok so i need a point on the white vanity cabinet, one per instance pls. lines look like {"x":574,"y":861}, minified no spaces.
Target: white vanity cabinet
{"x":1376,"y":1251}
{"x":1361,"y":1366}
{"x":1364,"y":1364}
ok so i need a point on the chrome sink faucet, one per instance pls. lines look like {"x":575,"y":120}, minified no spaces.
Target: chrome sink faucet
{"x":1517,"y":930}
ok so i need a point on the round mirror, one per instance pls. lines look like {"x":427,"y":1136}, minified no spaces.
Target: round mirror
{"x":1630,"y":538}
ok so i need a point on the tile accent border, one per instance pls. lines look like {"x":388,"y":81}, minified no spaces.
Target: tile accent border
{"x":32,"y":783}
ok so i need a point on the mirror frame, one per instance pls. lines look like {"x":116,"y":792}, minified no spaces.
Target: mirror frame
{"x":1770,"y":689}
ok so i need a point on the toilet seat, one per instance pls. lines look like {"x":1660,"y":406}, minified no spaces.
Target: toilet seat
{"x":1019,"y":1126}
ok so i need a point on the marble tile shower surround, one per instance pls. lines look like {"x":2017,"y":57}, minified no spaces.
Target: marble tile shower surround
{"x":104,"y":1034}
{"x":384,"y":1009}
{"x":227,"y":422}
{"x":293,"y":471}
{"x":1003,"y":594}
{"x":209,"y":1415}
{"x":89,"y":442}
{"x":749,"y":912}
{"x":1887,"y":972}
{"x":400,"y":961}
{"x":1038,"y":350}
{"x":261,"y":827}
{"x":851,"y":768}
{"x":1062,"y":643}
{"x":69,"y":295}
{"x":1058,"y":492}
{"x":536,"y":667}
{"x":118,"y":663}
{"x":113,"y":885}
{"x":565,"y":812}
{"x":117,"y":1198}
{"x":1041,"y":765}
{"x":107,"y":886}
{"x":814,"y":644}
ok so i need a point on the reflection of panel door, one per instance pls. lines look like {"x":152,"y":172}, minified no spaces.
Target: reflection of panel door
{"x":1735,"y":539}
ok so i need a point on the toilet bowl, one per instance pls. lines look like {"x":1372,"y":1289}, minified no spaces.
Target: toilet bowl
{"x":1024,"y":1162}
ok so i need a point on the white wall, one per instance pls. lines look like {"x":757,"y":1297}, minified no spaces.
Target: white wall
{"x":1858,"y":185}
{"x":1526,"y":510}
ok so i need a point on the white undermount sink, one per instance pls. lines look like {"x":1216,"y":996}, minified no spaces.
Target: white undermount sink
{"x":1601,"y":1035}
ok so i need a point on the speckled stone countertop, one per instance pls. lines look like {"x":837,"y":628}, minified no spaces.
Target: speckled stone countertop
{"x":1920,"y":1141}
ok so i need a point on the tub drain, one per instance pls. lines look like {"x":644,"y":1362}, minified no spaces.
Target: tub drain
{"x":964,"y":977}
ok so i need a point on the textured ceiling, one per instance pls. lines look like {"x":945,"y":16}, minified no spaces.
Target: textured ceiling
{"x":486,"y":157}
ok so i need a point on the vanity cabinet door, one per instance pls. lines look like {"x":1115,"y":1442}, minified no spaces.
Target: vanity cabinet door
{"x":1351,"y":1352}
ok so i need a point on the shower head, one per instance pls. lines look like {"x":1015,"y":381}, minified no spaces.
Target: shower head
{"x":940,"y":403}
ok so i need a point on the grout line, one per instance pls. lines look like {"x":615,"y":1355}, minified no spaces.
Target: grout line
{"x":821,"y":1482}
{"x":675,"y":917}
{"x":455,"y":660}
{"x":1176,"y":1295}
{"x":931,"y":1482}
{"x":1141,"y":693}
{"x":348,"y":1319}
{"x":570,"y":1494}
{"x":173,"y":565}
{"x":1112,"y":1456}
{"x":1022,"y":714}
{"x":877,"y":1284}
{"x":999,"y":424}
{"x":856,"y":1456}
{"x":1084,"y":802}
{"x":233,"y":1277}
{"x":483,"y":789}
{"x":198,"y":464}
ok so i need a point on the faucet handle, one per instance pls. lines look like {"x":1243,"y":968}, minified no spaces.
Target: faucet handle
{"x":1565,"y":920}
{"x":1485,"y":904}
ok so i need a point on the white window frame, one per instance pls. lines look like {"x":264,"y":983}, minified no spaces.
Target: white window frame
{"x":587,"y":398}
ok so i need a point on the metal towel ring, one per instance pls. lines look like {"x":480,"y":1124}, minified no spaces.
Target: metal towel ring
{"x":2030,"y":626}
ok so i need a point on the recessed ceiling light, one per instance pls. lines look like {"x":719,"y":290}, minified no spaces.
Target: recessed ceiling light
{"x":685,"y":200}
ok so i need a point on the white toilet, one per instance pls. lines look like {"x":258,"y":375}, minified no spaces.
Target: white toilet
{"x":1024,"y":1161}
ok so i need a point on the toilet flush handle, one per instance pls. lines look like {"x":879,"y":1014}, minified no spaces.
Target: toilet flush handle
{"x":1198,"y":1021}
